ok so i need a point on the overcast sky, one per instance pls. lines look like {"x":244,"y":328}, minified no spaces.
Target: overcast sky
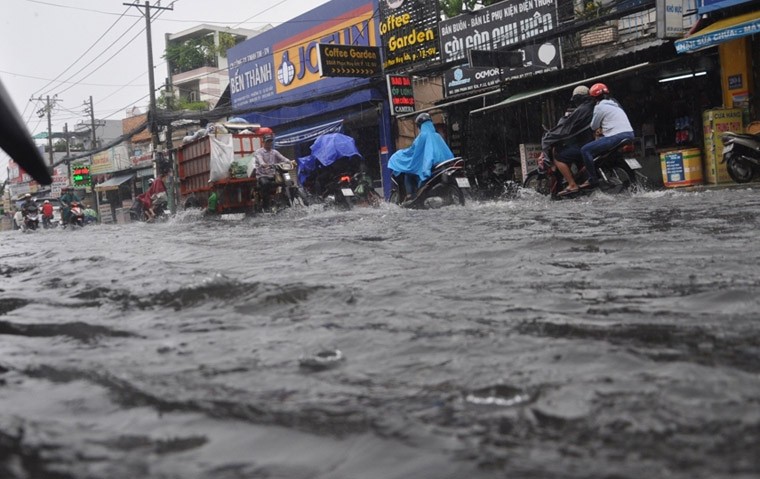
{"x":43,"y":40}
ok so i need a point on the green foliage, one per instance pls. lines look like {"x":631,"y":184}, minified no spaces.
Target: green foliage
{"x":589,"y":9}
{"x":226,"y":41}
{"x":171,"y":103}
{"x":453,"y":8}
{"x":191,"y":54}
{"x":193,"y":105}
{"x":59,"y":145}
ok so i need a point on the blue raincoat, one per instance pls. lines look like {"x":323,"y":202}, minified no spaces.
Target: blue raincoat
{"x":428,"y":150}
{"x":325,"y":151}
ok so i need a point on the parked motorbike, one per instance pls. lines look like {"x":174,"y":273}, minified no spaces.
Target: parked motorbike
{"x":442,"y":188}
{"x":616,"y":170}
{"x":76,"y":216}
{"x":490,"y":177}
{"x":741,"y":153}
{"x":31,"y":218}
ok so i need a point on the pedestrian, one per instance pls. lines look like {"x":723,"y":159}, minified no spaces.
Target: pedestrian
{"x":212,"y":204}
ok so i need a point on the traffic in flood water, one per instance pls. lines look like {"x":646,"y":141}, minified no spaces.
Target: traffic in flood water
{"x":608,"y":336}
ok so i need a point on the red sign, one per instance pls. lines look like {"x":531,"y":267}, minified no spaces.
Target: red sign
{"x":400,"y":94}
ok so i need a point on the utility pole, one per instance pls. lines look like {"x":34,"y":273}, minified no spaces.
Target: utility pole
{"x":47,"y":110}
{"x":68,"y":149}
{"x":91,"y":110}
{"x":151,"y":80}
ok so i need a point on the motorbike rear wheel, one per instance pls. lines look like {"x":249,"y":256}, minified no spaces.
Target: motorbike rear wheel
{"x":537,"y":182}
{"x":739,"y":170}
{"x":617,"y":178}
{"x":444,"y":195}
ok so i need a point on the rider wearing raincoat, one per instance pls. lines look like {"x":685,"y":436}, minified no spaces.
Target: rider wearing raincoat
{"x":427,"y":150}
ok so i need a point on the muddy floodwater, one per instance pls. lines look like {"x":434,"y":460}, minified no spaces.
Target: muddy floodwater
{"x":607,"y":337}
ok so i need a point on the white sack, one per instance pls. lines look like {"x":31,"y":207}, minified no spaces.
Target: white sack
{"x":222,"y":154}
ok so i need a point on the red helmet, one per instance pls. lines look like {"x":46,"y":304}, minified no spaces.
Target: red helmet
{"x":598,"y":89}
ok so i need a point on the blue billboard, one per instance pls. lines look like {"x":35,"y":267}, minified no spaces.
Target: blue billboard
{"x":281,"y":65}
{"x":704,"y":6}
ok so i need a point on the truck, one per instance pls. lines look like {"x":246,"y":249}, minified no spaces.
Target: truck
{"x":235,"y":192}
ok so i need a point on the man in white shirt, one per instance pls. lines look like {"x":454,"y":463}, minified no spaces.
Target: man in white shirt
{"x":265,"y":159}
{"x":610,"y":119}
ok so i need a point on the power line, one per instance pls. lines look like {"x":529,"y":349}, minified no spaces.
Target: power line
{"x":101,"y":53}
{"x":81,"y":56}
{"x":78,"y":83}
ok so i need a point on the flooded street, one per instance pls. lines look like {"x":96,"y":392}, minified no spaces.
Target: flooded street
{"x":596,"y":338}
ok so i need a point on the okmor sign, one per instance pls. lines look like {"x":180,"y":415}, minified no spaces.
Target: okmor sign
{"x":501,"y":25}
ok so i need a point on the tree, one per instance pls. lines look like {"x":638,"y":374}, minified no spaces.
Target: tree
{"x":191,"y":53}
{"x":452,"y":8}
{"x":59,"y":145}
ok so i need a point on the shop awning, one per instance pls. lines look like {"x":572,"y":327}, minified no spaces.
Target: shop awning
{"x":535,"y":93}
{"x":290,"y":138}
{"x":720,"y":31}
{"x":114,"y":182}
{"x":441,"y":106}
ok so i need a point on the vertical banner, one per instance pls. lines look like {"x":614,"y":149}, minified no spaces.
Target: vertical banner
{"x":400,"y":94}
{"x":409,"y":31}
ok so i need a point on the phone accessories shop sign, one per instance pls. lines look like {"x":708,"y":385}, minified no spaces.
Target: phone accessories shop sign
{"x":499,"y":26}
{"x":401,"y":94}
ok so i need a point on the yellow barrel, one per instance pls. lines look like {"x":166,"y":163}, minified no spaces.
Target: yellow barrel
{"x":681,"y":167}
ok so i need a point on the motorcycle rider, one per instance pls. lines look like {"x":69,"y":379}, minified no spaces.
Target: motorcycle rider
{"x":265,"y":159}
{"x":28,"y":206}
{"x":569,"y":135}
{"x":156,"y":195}
{"x":47,"y":213}
{"x":609,"y":123}
{"x":418,"y":160}
{"x":68,"y":197}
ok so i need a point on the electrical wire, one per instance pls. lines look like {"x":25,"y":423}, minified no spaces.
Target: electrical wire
{"x":101,"y":53}
{"x":85,"y":53}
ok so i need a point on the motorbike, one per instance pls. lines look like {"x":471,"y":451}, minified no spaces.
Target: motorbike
{"x":76,"y":215}
{"x":741,"y":154}
{"x":347,"y":189}
{"x":616,"y":170}
{"x":137,"y":210}
{"x":442,"y":188}
{"x":285,"y":193}
{"x":31,"y":218}
{"x":490,"y":177}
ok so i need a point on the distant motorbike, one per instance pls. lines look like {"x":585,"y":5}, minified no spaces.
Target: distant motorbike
{"x":741,"y":153}
{"x":76,"y":216}
{"x":47,"y":222}
{"x":31,"y":218}
{"x":158,"y":203}
{"x":442,"y":188}
{"x":616,"y":170}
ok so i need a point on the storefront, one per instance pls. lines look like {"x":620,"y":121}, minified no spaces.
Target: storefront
{"x":729,"y":32}
{"x":275,"y":78}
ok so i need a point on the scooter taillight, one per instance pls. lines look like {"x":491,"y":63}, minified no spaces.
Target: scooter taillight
{"x":345,"y":178}
{"x":629,"y":148}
